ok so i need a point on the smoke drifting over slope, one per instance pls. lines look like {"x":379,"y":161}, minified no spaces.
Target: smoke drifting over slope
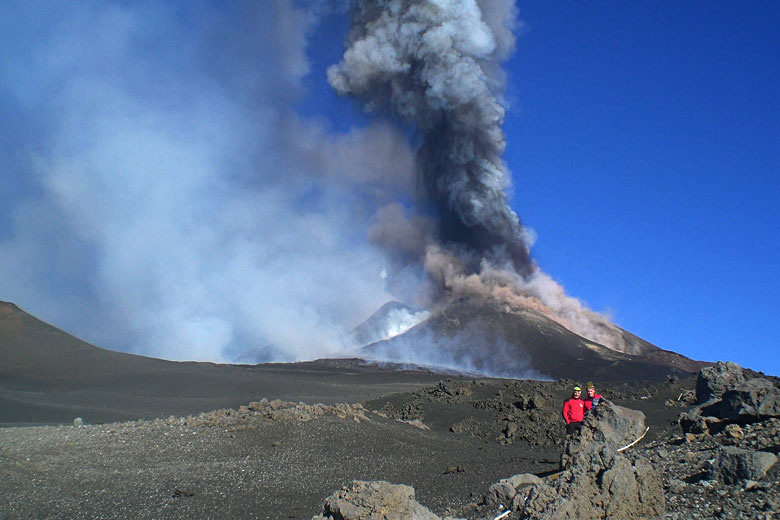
{"x":161,"y":193}
{"x":436,"y":65}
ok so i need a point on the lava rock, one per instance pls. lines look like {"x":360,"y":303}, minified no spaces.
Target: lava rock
{"x":715,"y":380}
{"x":597,"y":480}
{"x":376,"y":500}
{"x":732,"y":465}
{"x":754,"y":399}
{"x":505,"y":490}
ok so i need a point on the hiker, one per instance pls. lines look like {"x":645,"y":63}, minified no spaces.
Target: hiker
{"x":574,"y":411}
{"x":591,"y":397}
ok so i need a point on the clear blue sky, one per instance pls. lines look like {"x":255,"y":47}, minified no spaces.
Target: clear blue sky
{"x":173,"y":175}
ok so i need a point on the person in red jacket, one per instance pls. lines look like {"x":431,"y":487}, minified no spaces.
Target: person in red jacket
{"x":591,"y":397}
{"x":574,"y":411}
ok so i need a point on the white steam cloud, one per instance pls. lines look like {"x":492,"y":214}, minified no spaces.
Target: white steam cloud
{"x":160,"y":192}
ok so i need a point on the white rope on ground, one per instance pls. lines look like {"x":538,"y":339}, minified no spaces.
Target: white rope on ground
{"x":502,"y":515}
{"x":639,"y":439}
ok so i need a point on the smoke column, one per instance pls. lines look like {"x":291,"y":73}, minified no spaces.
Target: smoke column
{"x":428,"y":62}
{"x":435,"y":65}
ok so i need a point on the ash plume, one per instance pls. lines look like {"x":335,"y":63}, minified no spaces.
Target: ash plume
{"x":432,"y":64}
{"x":436,"y":66}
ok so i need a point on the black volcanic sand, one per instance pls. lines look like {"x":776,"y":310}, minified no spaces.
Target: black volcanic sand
{"x":261,"y":463}
{"x":157,"y":388}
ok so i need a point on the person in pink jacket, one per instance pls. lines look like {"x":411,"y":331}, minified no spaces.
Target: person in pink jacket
{"x":574,"y":411}
{"x":591,"y":397}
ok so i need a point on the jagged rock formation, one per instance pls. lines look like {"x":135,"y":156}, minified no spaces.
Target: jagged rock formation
{"x":597,"y":481}
{"x":726,"y":396}
{"x":733,"y":465}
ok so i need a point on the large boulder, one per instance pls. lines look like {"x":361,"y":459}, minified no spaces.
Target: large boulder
{"x":512,"y":491}
{"x":714,"y":381}
{"x":608,"y":424}
{"x":725,"y":396}
{"x":732,"y":465}
{"x":751,"y":400}
{"x":376,"y":500}
{"x":598,"y":479}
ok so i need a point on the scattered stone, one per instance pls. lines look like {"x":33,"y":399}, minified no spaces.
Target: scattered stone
{"x":183,"y":492}
{"x":78,"y":422}
{"x":468,"y":426}
{"x":507,"y":490}
{"x":733,"y":434}
{"x":258,"y":405}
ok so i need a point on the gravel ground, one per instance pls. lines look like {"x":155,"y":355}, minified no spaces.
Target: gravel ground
{"x":231,"y":464}
{"x":692,"y":494}
{"x":277,"y":459}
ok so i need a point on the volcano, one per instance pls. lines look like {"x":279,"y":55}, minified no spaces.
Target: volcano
{"x":488,"y":336}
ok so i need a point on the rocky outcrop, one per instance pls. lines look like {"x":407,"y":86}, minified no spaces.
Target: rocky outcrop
{"x":726,"y":396}
{"x":723,"y":476}
{"x":377,"y":500}
{"x":598,"y":480}
{"x":729,"y":458}
{"x":513,"y":492}
{"x":754,"y":399}
{"x":714,"y":381}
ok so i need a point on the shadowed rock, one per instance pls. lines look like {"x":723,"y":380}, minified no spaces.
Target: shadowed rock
{"x":733,"y":465}
{"x":377,"y":500}
{"x":715,"y":380}
{"x":754,"y":399}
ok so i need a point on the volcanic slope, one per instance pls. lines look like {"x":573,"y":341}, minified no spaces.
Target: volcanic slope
{"x":48,"y":376}
{"x":483,"y":335}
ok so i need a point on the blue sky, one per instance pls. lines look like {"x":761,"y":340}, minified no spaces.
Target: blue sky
{"x":645,"y":145}
{"x":179,"y":180}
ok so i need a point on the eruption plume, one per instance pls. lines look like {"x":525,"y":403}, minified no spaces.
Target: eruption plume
{"x":432,"y":63}
{"x":435,"y":65}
